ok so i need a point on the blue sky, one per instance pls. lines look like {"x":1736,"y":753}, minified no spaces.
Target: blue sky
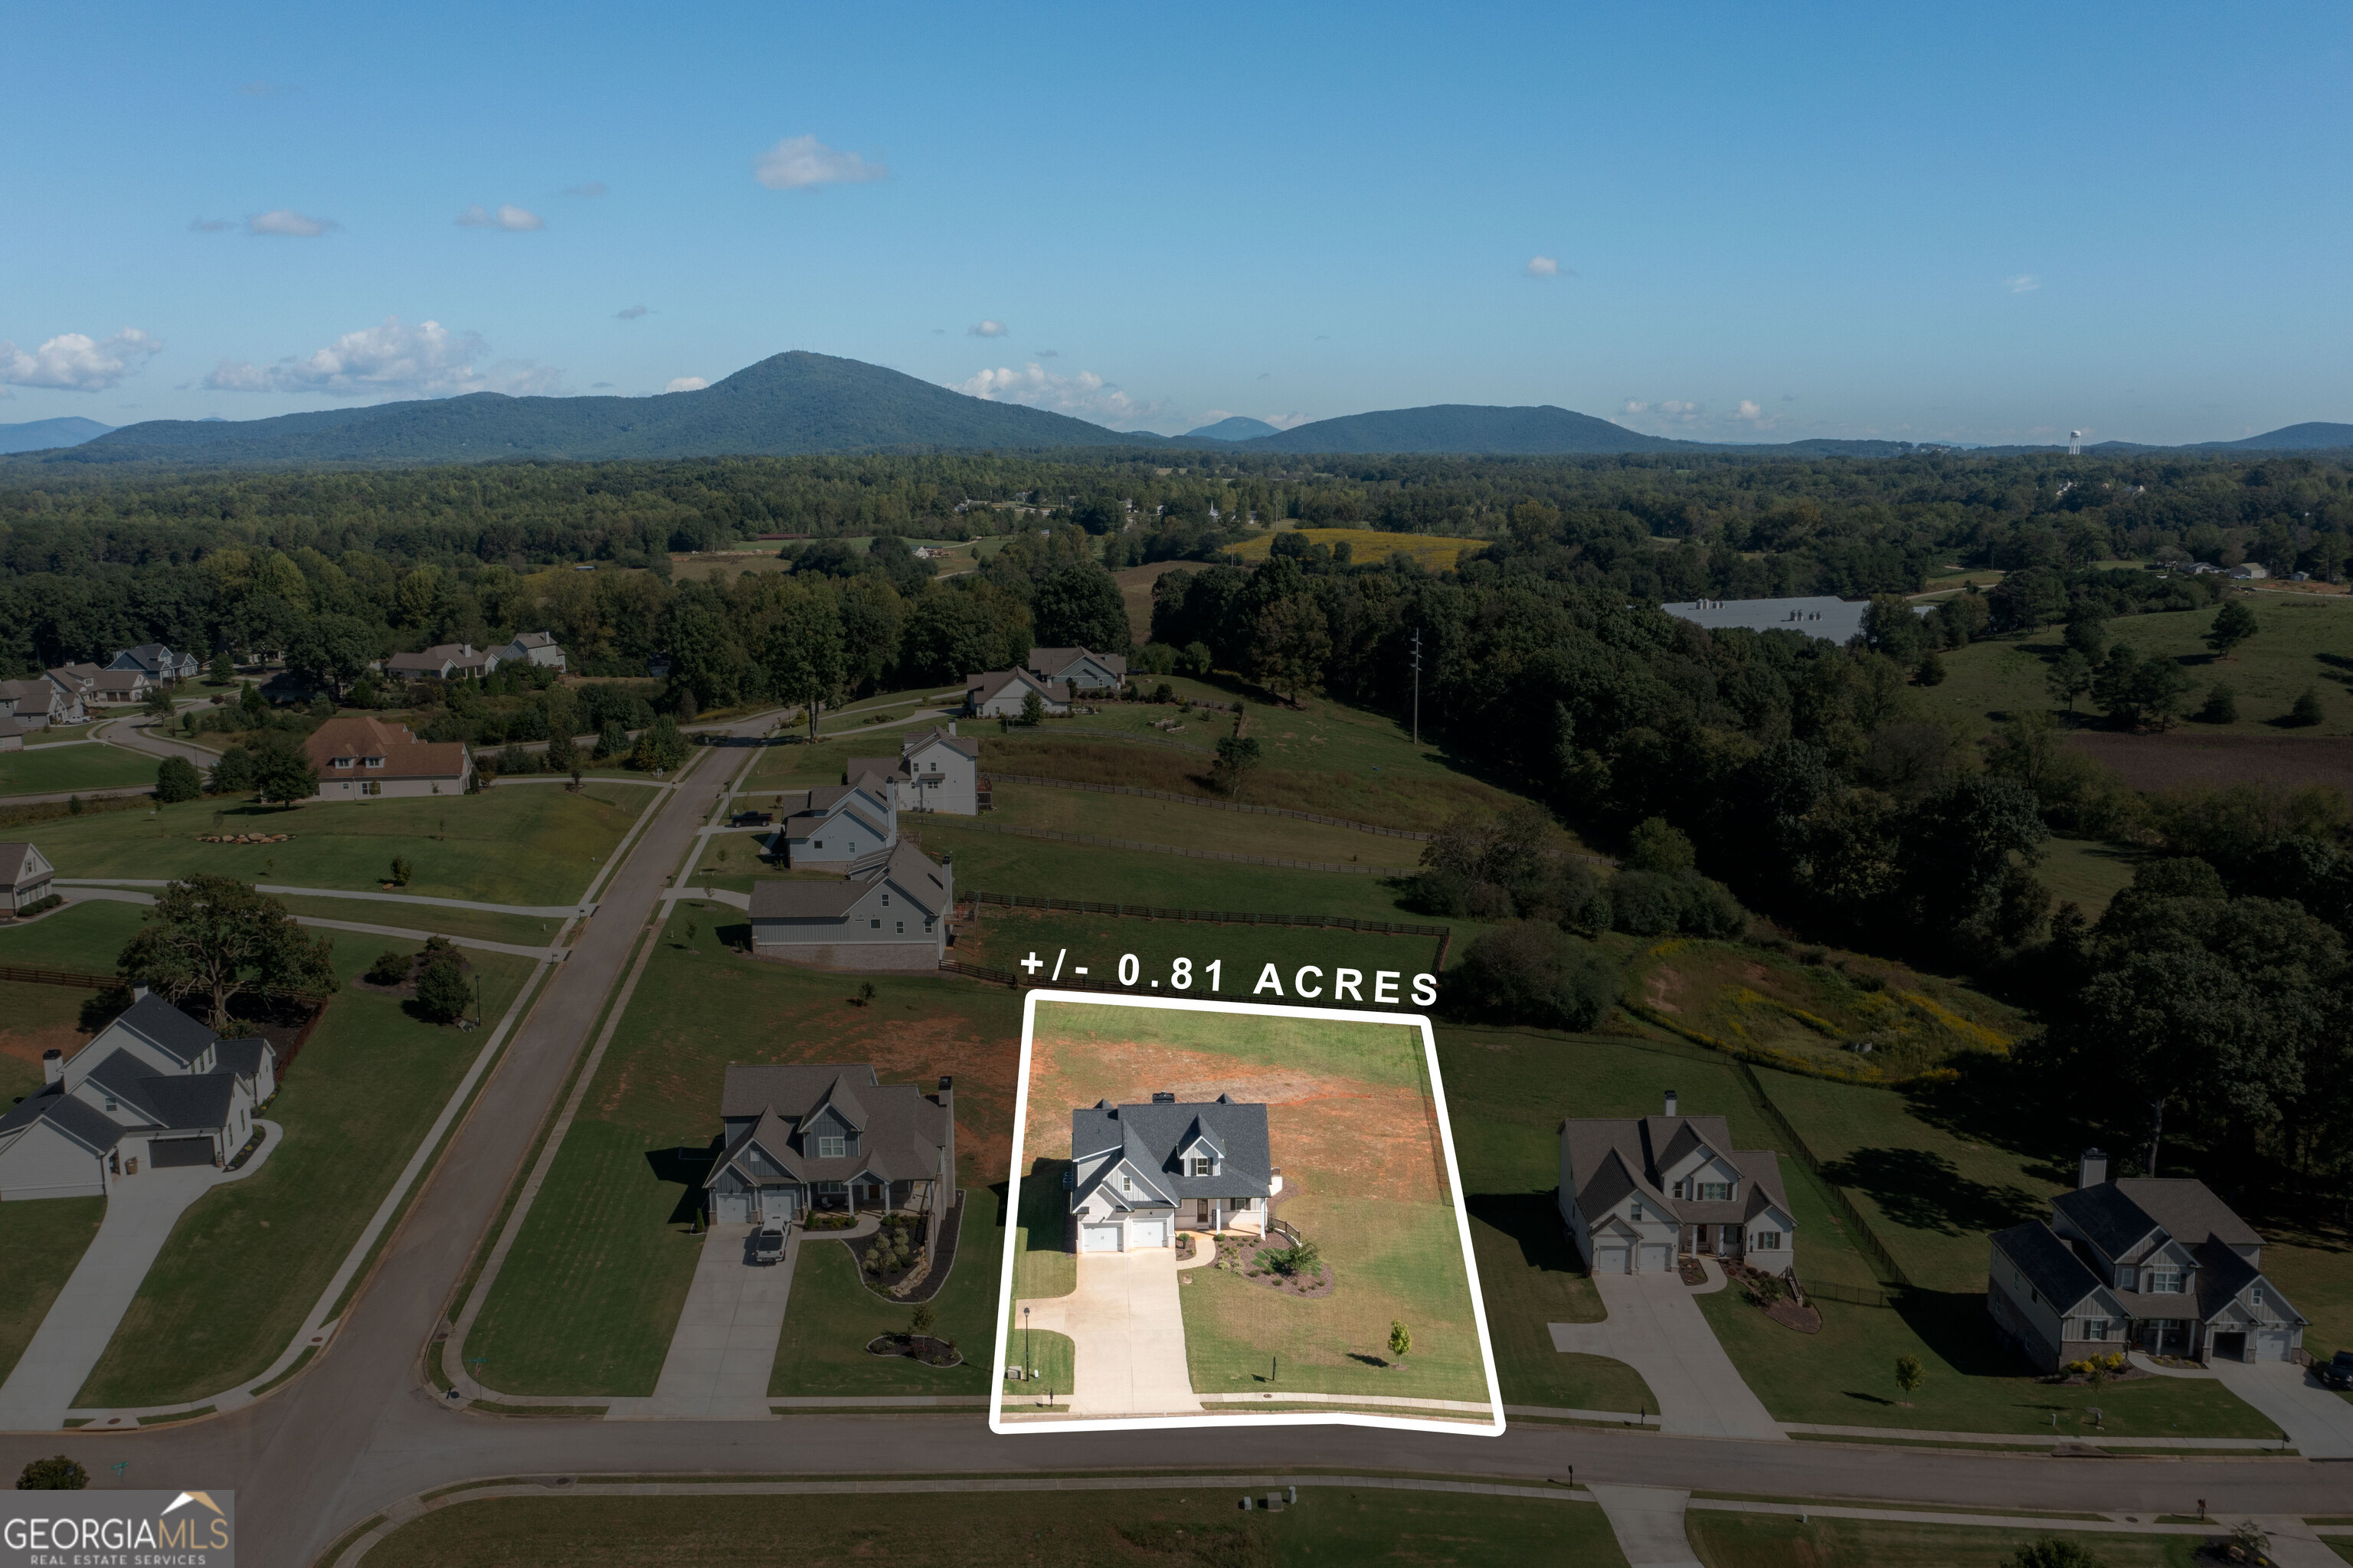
{"x":1987,"y":223}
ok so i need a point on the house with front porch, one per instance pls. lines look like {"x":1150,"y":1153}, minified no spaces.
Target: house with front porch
{"x":1639,"y":1193}
{"x":2158,"y":1264}
{"x":830,"y":1139}
{"x":158,"y":664}
{"x":1140,"y":1173}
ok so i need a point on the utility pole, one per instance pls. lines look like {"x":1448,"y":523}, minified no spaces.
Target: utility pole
{"x":1416,"y":685}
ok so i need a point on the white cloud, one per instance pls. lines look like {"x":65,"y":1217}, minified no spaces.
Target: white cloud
{"x":1086,"y":395}
{"x":985,"y":329}
{"x":426,"y":360}
{"x":73,"y":361}
{"x":1542,"y":266}
{"x":593,"y":188}
{"x":1749,"y":411}
{"x":629,"y":313}
{"x":213,"y":224}
{"x":802,"y":162}
{"x":686,"y":384}
{"x":1287,"y":421}
{"x":286,"y":223}
{"x":509,"y":217}
{"x":2024,"y":283}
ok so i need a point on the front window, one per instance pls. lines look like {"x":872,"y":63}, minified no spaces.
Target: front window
{"x":2165,"y":1281}
{"x":2095,"y":1327}
{"x":1636,"y":1214}
{"x":1766,"y":1240}
{"x":1715,"y":1192}
{"x":832,"y":1147}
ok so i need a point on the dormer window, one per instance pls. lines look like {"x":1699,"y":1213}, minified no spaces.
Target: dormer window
{"x":2165,"y":1281}
{"x":832,"y":1147}
{"x":1715,"y":1192}
{"x":375,"y":762}
{"x":342,"y":762}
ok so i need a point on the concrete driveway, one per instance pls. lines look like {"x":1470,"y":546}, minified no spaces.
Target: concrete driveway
{"x":2319,"y":1420}
{"x":1657,"y":1328}
{"x":140,"y":1214}
{"x":724,"y":1347}
{"x":1128,"y":1327}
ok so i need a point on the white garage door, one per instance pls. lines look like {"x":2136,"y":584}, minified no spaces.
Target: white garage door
{"x":1147,"y":1232}
{"x":1609,"y":1259}
{"x":1658,"y":1257}
{"x":1098,"y":1238}
{"x":2271,"y":1345}
{"x":735,"y":1208}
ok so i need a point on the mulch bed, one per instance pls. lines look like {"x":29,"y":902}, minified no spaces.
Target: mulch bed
{"x":1786,"y":1312}
{"x":891,"y":1272}
{"x":1689,"y":1269}
{"x":922,"y":1349}
{"x":1237,"y":1254}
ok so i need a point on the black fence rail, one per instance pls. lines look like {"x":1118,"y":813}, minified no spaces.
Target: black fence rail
{"x":1347,"y":822}
{"x":1854,"y":1296}
{"x":1866,"y":1240}
{"x":1208,"y":916}
{"x":1348,"y":868}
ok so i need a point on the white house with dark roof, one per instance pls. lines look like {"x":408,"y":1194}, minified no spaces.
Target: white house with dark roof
{"x":892,"y":914}
{"x":935,"y":771}
{"x":2153,"y":1264}
{"x":153,"y":1089}
{"x":814,"y":1138}
{"x":1140,"y":1173}
{"x":841,"y":827}
{"x":1062,"y":668}
{"x":1640,"y":1193}
{"x":25,"y":874}
{"x":1000,"y":694}
{"x":37,"y":705}
{"x":538,"y":648}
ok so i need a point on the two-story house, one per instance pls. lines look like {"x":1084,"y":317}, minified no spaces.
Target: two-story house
{"x":160,"y":665}
{"x":24,"y":875}
{"x":935,"y":771}
{"x":1639,"y":1192}
{"x":37,"y":704}
{"x":1063,"y":669}
{"x":538,"y":648}
{"x":890,"y":914}
{"x":1140,"y":1173}
{"x":809,"y":1139}
{"x":359,"y":758}
{"x":840,"y":827}
{"x":154,"y":1086}
{"x":2153,"y":1264}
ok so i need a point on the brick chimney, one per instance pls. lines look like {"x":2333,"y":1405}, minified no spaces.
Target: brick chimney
{"x":2091,"y":1168}
{"x":1671,"y":1104}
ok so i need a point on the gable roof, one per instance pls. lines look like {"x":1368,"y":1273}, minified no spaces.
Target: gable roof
{"x":21,"y":864}
{"x":1151,"y":1137}
{"x":987,"y":686}
{"x":83,"y":1123}
{"x":534,"y":639}
{"x":903,"y":1133}
{"x":2047,"y":1263}
{"x":921,"y":879}
{"x":358,"y":736}
{"x":163,"y":1026}
{"x":2188,"y":1209}
{"x":1642,"y":1148}
{"x":2109,"y":1219}
{"x":963,"y":743}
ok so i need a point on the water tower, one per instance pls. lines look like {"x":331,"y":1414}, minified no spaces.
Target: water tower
{"x":2074,"y":443}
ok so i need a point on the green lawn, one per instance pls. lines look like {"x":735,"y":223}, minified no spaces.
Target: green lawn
{"x":523,"y":930}
{"x":55,"y":768}
{"x":2085,"y":871}
{"x":1053,"y":1357}
{"x":831,"y":1315}
{"x":247,"y":1262}
{"x":1043,"y":1263}
{"x":533,"y":846}
{"x":2302,"y":641}
{"x":590,"y":1294}
{"x":1780,"y":1541}
{"x":1173,"y":1527}
{"x":1202,"y":826}
{"x":1529,"y":1277}
{"x":42,"y":1240}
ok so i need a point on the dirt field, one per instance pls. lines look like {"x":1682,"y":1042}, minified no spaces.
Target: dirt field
{"x":2177,"y":760}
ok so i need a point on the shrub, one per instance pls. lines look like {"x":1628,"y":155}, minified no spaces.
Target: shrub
{"x":176,"y":780}
{"x":2221,"y":706}
{"x":1535,"y":973}
{"x":1930,"y":671}
{"x":1400,"y":1340}
{"x":57,"y":1475}
{"x":401,"y":872}
{"x":1655,"y":903}
{"x":391,"y":967}
{"x":442,"y":992}
{"x":2055,"y":1552}
{"x":1657,"y":845}
{"x":2307,"y":710}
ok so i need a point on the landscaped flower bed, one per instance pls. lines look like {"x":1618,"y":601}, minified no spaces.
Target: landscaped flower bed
{"x":920,"y":1348}
{"x":1293,"y":1270}
{"x":893,"y":1252}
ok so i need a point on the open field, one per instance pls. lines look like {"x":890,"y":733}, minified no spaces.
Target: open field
{"x":2302,"y":641}
{"x":1813,"y":1016}
{"x":1135,"y":592}
{"x":1002,"y":938}
{"x":2086,"y":872}
{"x":1177,"y":1527}
{"x":1778,"y":1540}
{"x":247,"y":1262}
{"x":2195,"y":757}
{"x":1350,"y":1128}
{"x":51,"y":769}
{"x":1430,"y":552}
{"x":1197,"y":827}
{"x":42,"y":1240}
{"x":590,"y":1294}
{"x":539,"y":845}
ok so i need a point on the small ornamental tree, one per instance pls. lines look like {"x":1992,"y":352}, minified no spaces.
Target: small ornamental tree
{"x":2307,"y":710}
{"x":57,"y":1475}
{"x":1908,"y":1376}
{"x":1033,"y":710}
{"x":391,"y":967}
{"x":176,"y":780}
{"x":1400,"y":1340}
{"x":401,"y":871}
{"x":442,"y":992}
{"x":920,"y":1324}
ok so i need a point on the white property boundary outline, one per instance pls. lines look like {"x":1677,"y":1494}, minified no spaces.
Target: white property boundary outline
{"x":996,"y":1422}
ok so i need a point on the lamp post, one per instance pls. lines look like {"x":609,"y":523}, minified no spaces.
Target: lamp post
{"x":1028,"y":1357}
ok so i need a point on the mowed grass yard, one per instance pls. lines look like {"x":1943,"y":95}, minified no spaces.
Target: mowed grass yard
{"x":533,"y":846}
{"x":832,"y":1314}
{"x":47,"y":770}
{"x":43,"y":1241}
{"x":1180,"y":1526}
{"x":589,"y":1296}
{"x":1778,"y":1540}
{"x":247,"y":1262}
{"x":1201,"y":827}
{"x":1352,"y":1133}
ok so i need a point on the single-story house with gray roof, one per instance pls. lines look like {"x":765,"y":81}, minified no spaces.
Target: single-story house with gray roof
{"x":1638,"y":1193}
{"x":805,"y":1138}
{"x":1140,"y":1173}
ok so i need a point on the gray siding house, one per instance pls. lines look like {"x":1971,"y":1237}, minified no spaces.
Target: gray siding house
{"x":157,"y":663}
{"x":155,"y":1087}
{"x":532,"y":648}
{"x":1000,"y":694}
{"x":1063,"y":668}
{"x":1638,"y":1193}
{"x":1140,"y":1173}
{"x":841,"y":827}
{"x":24,"y":874}
{"x":829,"y":1138}
{"x":890,"y":915}
{"x":2158,"y":1264}
{"x":935,"y":771}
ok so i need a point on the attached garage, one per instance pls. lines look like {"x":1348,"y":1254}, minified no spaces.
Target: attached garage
{"x":165,"y":1152}
{"x":733,"y":1208}
{"x":1099,"y":1238}
{"x":1147,"y":1232}
{"x":1609,"y":1257}
{"x":2272,"y":1344}
{"x":2228,"y":1347}
{"x":1658,"y":1257}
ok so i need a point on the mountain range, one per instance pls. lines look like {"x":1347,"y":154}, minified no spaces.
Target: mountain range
{"x":800,"y":403}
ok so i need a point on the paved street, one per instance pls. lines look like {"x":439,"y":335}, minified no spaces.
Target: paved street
{"x":1657,"y":1328}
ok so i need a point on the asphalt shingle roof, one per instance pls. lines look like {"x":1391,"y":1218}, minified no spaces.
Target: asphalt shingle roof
{"x":2047,"y":1264}
{"x":1150,"y":1136}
